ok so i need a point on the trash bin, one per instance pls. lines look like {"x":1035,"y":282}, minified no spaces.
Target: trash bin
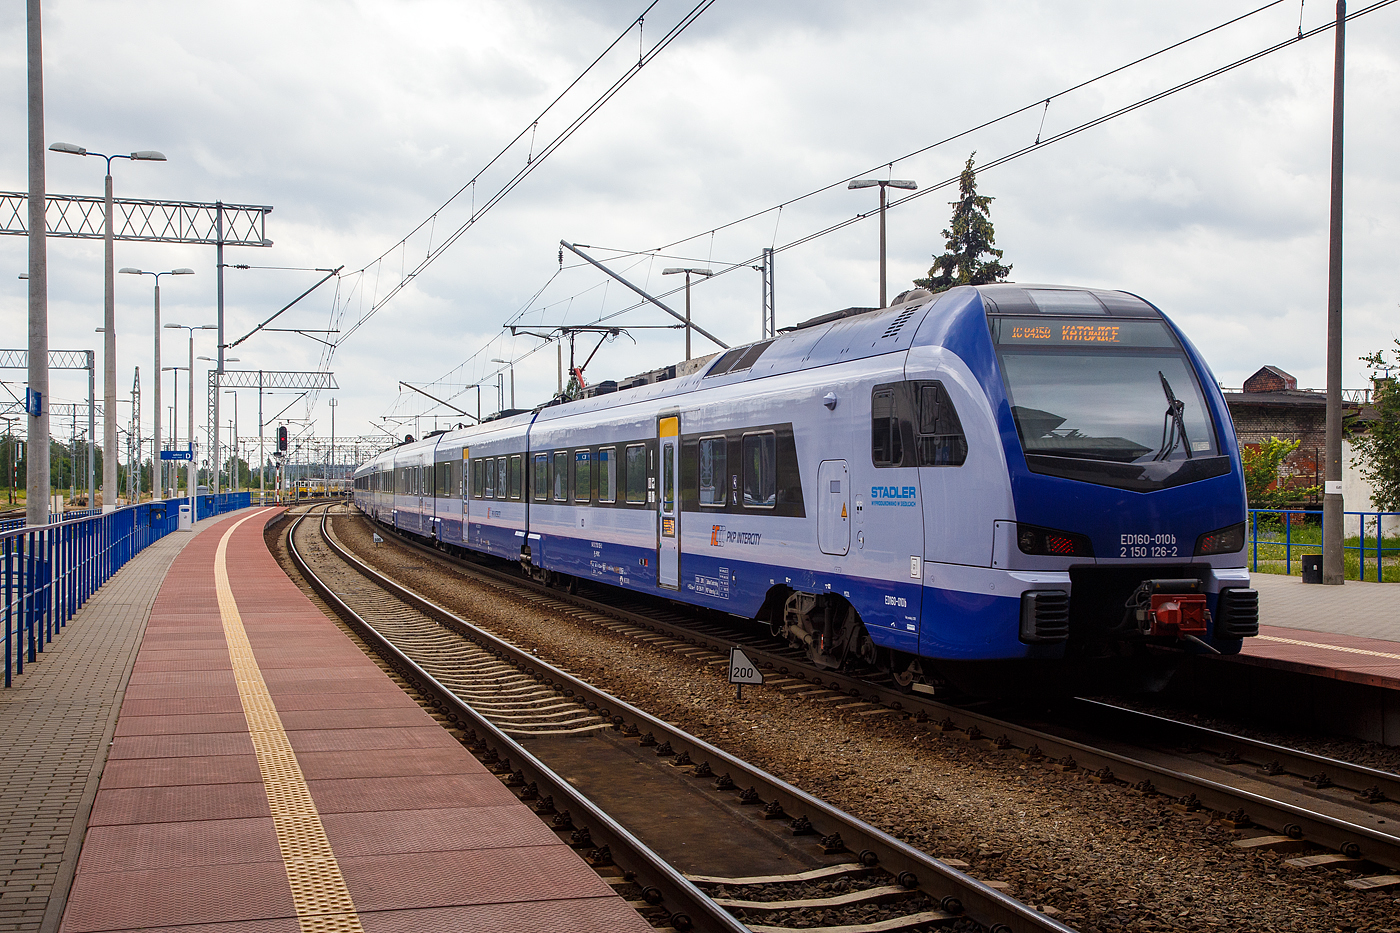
{"x":1312,"y":568}
{"x":187,"y":520}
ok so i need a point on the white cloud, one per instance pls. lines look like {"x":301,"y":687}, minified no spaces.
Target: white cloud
{"x":357,"y":120}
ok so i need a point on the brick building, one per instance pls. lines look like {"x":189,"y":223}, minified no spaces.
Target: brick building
{"x":1271,"y":405}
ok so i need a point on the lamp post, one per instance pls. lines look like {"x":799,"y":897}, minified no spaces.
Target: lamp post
{"x":109,"y":326}
{"x":688,"y":273}
{"x":233,"y":476}
{"x":128,"y":270}
{"x":175,"y":426}
{"x":190,"y":482}
{"x":501,"y":388}
{"x":883,"y":183}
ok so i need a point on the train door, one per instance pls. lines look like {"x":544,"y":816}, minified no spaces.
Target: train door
{"x":668,"y":540}
{"x":834,"y":507}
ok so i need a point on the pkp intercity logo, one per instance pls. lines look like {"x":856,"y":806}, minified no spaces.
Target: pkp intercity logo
{"x":716,"y":536}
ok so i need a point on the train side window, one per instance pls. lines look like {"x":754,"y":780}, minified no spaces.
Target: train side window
{"x":561,"y":475}
{"x":541,"y":477}
{"x":760,"y":463}
{"x":478,"y":468}
{"x":517,"y":474}
{"x":636,"y":473}
{"x":442,"y":476}
{"x":941,"y":438}
{"x":501,"y":469}
{"x":607,"y":474}
{"x":886,"y":446}
{"x":487,"y":468}
{"x":713,"y":451}
{"x":583,"y":476}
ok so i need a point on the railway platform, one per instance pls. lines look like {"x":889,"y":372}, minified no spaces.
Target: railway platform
{"x":1351,"y":632}
{"x":262,"y":775}
{"x":1327,"y":658}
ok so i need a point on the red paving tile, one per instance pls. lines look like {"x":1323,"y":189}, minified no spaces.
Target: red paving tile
{"x":127,"y":900}
{"x":372,"y":795}
{"x":478,"y":876}
{"x":347,"y":764}
{"x":441,"y":830}
{"x":176,"y":724}
{"x":173,"y":772}
{"x":182,"y":801}
{"x":592,"y":915}
{"x":180,"y":746}
{"x":179,"y":804}
{"x":173,"y":845}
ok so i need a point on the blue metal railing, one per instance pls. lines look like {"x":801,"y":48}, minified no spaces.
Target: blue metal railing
{"x":1375,"y":549}
{"x":48,"y":571}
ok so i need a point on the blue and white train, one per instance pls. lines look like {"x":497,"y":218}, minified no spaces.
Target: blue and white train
{"x":986,"y":486}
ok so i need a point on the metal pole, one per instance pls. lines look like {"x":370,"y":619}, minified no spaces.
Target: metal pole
{"x":262,"y":449}
{"x":37,"y":434}
{"x":219,"y":262}
{"x":194,"y":475}
{"x":175,"y":431}
{"x":687,"y":316}
{"x":92,"y":428}
{"x":1333,"y":569}
{"x":559,"y":353}
{"x":157,"y":481}
{"x":332,"y":463}
{"x":109,"y":361}
{"x":882,"y":245}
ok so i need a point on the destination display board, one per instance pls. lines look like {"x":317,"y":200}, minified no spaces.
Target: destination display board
{"x":1038,"y":331}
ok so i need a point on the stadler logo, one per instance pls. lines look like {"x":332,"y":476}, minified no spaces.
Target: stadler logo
{"x":894,"y":495}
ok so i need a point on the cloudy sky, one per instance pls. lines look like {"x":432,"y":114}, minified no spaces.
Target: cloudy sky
{"x":359,"y":121}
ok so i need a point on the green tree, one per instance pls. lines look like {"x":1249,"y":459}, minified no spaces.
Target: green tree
{"x":1379,"y":443}
{"x":1262,"y":484}
{"x":970,"y":238}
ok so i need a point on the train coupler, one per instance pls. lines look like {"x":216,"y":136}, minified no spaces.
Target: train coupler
{"x":1171,"y":609}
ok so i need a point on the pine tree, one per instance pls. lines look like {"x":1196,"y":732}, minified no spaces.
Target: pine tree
{"x":970,"y":238}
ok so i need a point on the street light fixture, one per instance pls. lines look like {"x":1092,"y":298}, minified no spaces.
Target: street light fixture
{"x":109,"y":316}
{"x":129,"y":270}
{"x":883,"y":183}
{"x":706,"y":273}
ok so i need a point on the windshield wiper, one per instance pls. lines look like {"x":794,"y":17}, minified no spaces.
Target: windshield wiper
{"x":1173,"y":424}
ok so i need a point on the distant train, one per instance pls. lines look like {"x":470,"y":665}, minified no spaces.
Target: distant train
{"x":995,"y":486}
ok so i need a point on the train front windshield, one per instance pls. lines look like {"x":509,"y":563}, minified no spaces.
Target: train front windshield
{"x":1117,"y":391}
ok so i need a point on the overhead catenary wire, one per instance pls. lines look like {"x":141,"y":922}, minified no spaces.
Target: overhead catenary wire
{"x":1002,"y":160}
{"x":1008,"y":157}
{"x":548,"y":149}
{"x":375,"y":302}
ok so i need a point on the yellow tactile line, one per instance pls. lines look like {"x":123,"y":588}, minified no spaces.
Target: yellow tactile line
{"x":318,"y":888}
{"x":1313,"y":644}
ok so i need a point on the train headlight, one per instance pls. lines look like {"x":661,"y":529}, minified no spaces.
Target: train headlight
{"x":1032,"y":539}
{"x":1225,"y":540}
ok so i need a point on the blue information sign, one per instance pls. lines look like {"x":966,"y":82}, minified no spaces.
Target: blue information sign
{"x":176,"y":455}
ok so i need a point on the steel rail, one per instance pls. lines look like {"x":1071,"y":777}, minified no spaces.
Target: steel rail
{"x":998,"y":912}
{"x":1346,"y":775}
{"x":1351,"y":838}
{"x":688,"y":907}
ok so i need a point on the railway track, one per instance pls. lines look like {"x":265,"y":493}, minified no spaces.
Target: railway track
{"x":1283,"y":799}
{"x":698,"y":838}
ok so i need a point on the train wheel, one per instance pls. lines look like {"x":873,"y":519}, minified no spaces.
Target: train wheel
{"x":906,"y":671}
